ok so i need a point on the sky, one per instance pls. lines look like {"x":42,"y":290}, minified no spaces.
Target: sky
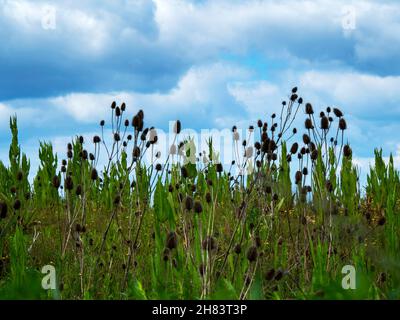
{"x":209,"y":63}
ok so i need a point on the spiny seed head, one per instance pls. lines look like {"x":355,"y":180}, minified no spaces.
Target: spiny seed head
{"x":136,"y":152}
{"x":117,"y":137}
{"x":300,"y":101}
{"x":324,"y":123}
{"x":308,"y":124}
{"x":328,"y":109}
{"x":3,"y":210}
{"x":259,"y":123}
{"x":113,"y":105}
{"x":117,"y":111}
{"x":309,"y":109}
{"x":237,"y":248}
{"x":84,"y":155}
{"x":102,"y":123}
{"x":92,"y":157}
{"x":184,"y":172}
{"x":189,"y":203}
{"x":294,"y":89}
{"x":20,"y":175}
{"x":208,"y":197}
{"x":69,"y":183}
{"x":337,"y":112}
{"x":270,"y":274}
{"x":252,"y":254}
{"x":347,"y":151}
{"x":305,"y":171}
{"x":172,"y":240}
{"x":306,"y":139}
{"x":158,"y":167}
{"x":123,"y":106}
{"x":278,"y":275}
{"x":298,"y":177}
{"x":17,"y":204}
{"x":94,"y":175}
{"x":78,"y":190}
{"x":314,"y":155}
{"x":342,"y":124}
{"x":56,"y":182}
{"x":294,"y":148}
{"x":126,"y":123}
{"x":69,"y":154}
{"x":209,"y":244}
{"x":219,"y":168}
{"x":198,"y":208}
{"x":293,"y":97}
{"x":81,"y":140}
{"x":69,"y":146}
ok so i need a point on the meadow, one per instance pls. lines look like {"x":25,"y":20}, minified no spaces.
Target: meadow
{"x":279,"y":222}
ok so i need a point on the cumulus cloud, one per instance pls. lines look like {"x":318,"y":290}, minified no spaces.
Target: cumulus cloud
{"x":146,"y":46}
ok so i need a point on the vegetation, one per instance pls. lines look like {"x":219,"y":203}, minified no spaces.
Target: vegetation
{"x":281,"y":227}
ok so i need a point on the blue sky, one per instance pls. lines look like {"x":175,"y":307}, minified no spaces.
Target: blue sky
{"x":209,"y":63}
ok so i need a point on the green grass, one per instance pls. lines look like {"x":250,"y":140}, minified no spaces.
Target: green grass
{"x":182,"y":230}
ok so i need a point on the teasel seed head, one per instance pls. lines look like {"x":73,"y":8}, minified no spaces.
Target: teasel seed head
{"x":102,"y":123}
{"x":308,"y":124}
{"x":309,"y":109}
{"x":158,"y":167}
{"x":270,"y":274}
{"x":209,"y":244}
{"x":123,"y":106}
{"x":294,"y":89}
{"x":337,"y":112}
{"x":294,"y":148}
{"x":252,"y":254}
{"x":78,"y":190}
{"x":237,"y":248}
{"x":81,"y":140}
{"x":189,"y":203}
{"x":314,"y":155}
{"x":113,"y":105}
{"x":208,"y":197}
{"x":172,"y":240}
{"x":347,"y":152}
{"x":69,"y":154}
{"x":342,"y":124}
{"x":94,"y":175}
{"x":117,"y":137}
{"x":17,"y":204}
{"x":117,"y":111}
{"x":306,"y":139}
{"x":298,"y":177}
{"x":3,"y":210}
{"x":184,"y":172}
{"x":69,"y":183}
{"x":324,"y":123}
{"x":56,"y":182}
{"x":198,"y":208}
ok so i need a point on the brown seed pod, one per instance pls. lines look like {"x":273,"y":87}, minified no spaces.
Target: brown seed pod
{"x":198,"y":208}
{"x":252,"y":254}
{"x":3,"y":210}
{"x":209,"y":244}
{"x":172,"y":240}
